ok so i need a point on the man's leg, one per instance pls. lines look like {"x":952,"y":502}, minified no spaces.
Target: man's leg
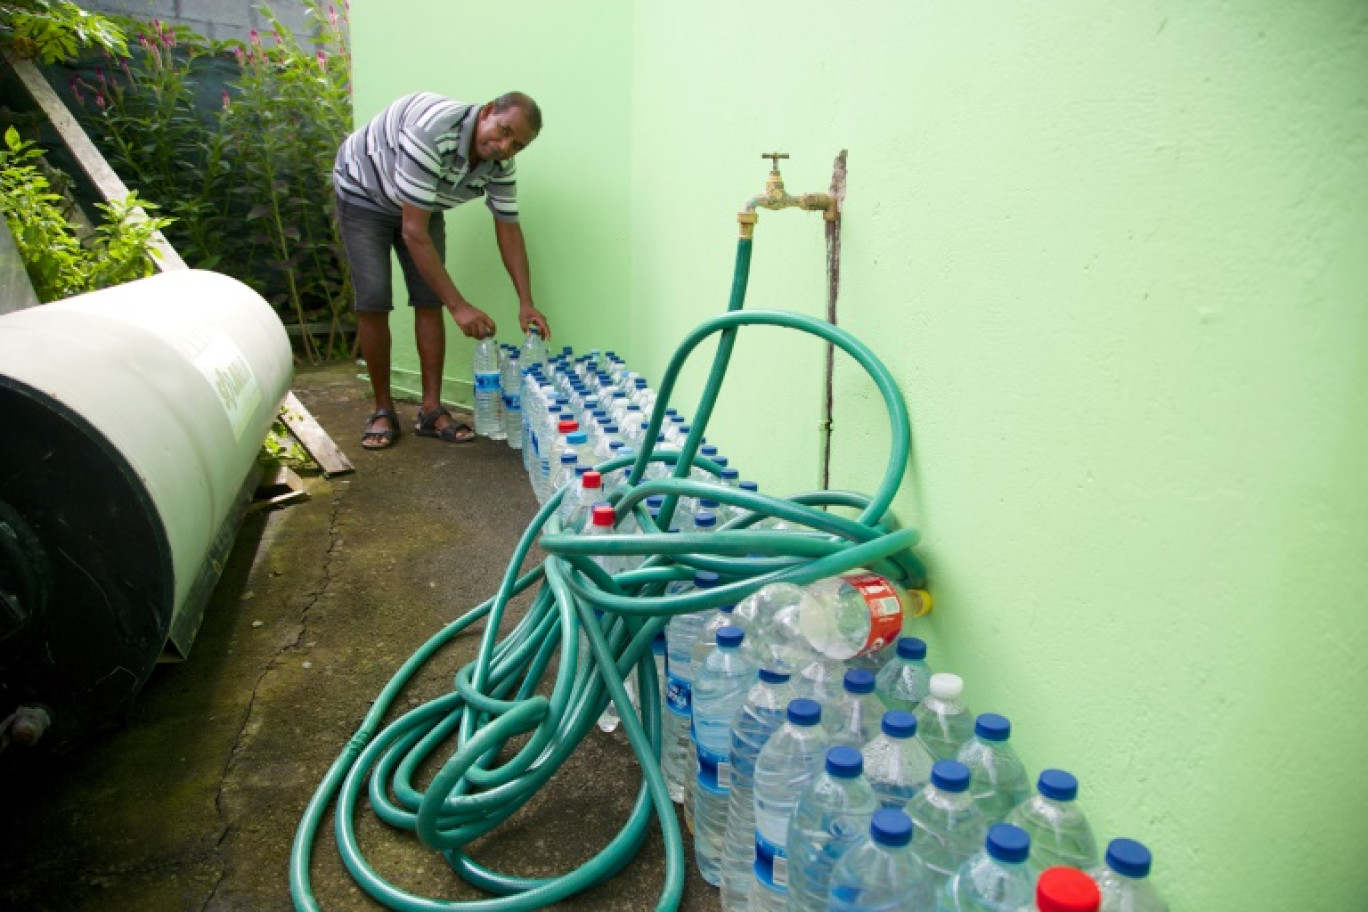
{"x":429,"y":326}
{"x":368,"y":238}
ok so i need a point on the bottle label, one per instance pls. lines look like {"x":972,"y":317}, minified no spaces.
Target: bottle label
{"x":486,"y":381}
{"x":678,"y":693}
{"x":885,"y":609}
{"x":714,"y":771}
{"x":771,"y":864}
{"x":513,"y":403}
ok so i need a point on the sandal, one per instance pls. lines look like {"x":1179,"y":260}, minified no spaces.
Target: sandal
{"x":387,"y":435}
{"x":454,"y":432}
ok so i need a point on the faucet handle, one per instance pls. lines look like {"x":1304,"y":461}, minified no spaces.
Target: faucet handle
{"x":774,"y":158}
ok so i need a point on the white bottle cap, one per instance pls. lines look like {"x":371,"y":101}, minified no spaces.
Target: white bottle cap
{"x":946,"y":686}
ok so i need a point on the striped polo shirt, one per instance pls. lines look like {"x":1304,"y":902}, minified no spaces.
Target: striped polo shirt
{"x":417,"y":151}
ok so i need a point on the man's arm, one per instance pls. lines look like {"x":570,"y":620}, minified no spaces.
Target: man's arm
{"x":474,"y":322}
{"x":514,"y":252}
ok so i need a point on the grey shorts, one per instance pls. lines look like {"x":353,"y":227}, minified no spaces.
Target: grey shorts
{"x":369,"y":236}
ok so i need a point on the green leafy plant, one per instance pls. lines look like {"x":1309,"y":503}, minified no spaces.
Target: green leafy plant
{"x":58,"y":263}
{"x":248,"y":182}
{"x":53,"y":30}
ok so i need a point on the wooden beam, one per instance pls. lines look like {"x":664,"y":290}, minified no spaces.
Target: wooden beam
{"x":313,"y":438}
{"x":89,"y":157}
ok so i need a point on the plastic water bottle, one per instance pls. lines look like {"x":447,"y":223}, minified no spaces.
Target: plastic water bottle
{"x":659,"y":651}
{"x":897,"y":764}
{"x":831,"y":816}
{"x":906,"y":680}
{"x":944,"y":723}
{"x":1124,"y":880}
{"x":759,"y":717}
{"x":853,"y":718}
{"x":510,"y":381}
{"x":951,"y":828}
{"x":858,"y":613}
{"x":882,"y":873}
{"x":787,"y":763}
{"x":676,"y":750}
{"x":997,"y":778}
{"x":820,"y":679}
{"x":574,"y":509}
{"x":601,"y":520}
{"x":1059,"y":831}
{"x":998,"y":879}
{"x":1065,"y":890}
{"x":533,"y":352}
{"x":718,"y":693}
{"x":489,"y":421}
{"x":716,"y":619}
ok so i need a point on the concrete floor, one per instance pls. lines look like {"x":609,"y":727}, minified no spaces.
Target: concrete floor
{"x":193,"y":800}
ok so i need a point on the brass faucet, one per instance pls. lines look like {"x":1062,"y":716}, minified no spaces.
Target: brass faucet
{"x":776,"y":197}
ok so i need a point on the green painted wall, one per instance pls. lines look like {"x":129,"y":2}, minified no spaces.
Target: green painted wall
{"x":1117,"y":256}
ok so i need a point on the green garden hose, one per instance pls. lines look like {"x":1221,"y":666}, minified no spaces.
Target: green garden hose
{"x":495,"y":697}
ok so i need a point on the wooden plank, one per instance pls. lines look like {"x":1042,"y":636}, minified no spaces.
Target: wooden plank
{"x":313,"y":438}
{"x":89,"y":157}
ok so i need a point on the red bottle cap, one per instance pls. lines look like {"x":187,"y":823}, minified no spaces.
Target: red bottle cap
{"x":567,"y":426}
{"x":1066,"y":890}
{"x":592,"y":479}
{"x":603,"y":514}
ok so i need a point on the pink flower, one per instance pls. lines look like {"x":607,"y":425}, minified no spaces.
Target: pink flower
{"x":237,"y":52}
{"x":99,"y":74}
{"x":322,"y":60}
{"x":227,"y":102}
{"x":276,"y":33}
{"x":99,"y":100}
{"x":76,"y":90}
{"x":332,"y":15}
{"x":255,"y":37}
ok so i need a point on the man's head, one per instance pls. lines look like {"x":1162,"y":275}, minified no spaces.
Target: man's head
{"x":505,"y":126}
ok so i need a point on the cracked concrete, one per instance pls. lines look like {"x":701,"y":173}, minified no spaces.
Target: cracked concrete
{"x":192,"y":801}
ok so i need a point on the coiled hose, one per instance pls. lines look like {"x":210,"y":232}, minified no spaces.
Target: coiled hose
{"x":495,"y":697}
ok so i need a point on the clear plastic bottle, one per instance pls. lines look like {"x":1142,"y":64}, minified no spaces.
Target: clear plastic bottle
{"x":659,"y":651}
{"x":787,"y":763}
{"x":833,"y":812}
{"x":1060,"y":832}
{"x":676,"y":752}
{"x":1063,"y":889}
{"x":998,"y":879}
{"x":897,"y":764}
{"x":533,"y":352}
{"x":759,"y":718}
{"x":906,"y":680}
{"x":858,"y":613}
{"x":489,"y":421}
{"x":1124,"y":880}
{"x":574,"y":509}
{"x":997,"y":778}
{"x":718,"y":693}
{"x":951,"y":827}
{"x":853,"y":717}
{"x":944,"y":723}
{"x":882,"y":872}
{"x":819,"y":678}
{"x":510,"y":381}
{"x":716,"y":619}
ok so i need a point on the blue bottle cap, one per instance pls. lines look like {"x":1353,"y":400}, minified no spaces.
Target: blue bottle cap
{"x":710,"y":451}
{"x":992,"y":727}
{"x":1057,"y":784}
{"x":655,"y":501}
{"x":773,"y":677}
{"x":899,"y":723}
{"x":911,"y":648}
{"x":1129,"y":858}
{"x":844,"y":762}
{"x":709,"y":505}
{"x":891,"y":827}
{"x":658,"y":644}
{"x":721,"y":461}
{"x":859,"y":681}
{"x":610,"y":428}
{"x":569,"y":458}
{"x":729,"y":637}
{"x":803,"y":711}
{"x":730,"y":474}
{"x":950,"y":776}
{"x":705,"y":579}
{"x":749,"y":486}
{"x":577,"y":437}
{"x":1008,"y":843}
{"x":705,"y":520}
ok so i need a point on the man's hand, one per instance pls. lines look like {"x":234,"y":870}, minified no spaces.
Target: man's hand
{"x":474,"y":323}
{"x":530,"y":316}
